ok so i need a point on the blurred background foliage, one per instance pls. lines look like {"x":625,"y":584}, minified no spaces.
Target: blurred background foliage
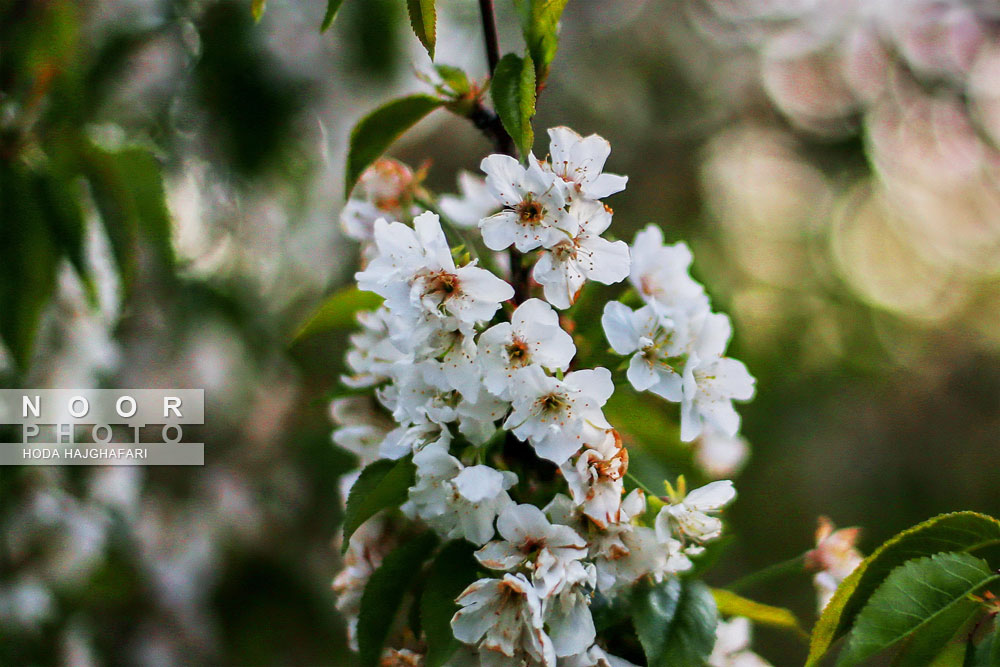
{"x":169,"y":190}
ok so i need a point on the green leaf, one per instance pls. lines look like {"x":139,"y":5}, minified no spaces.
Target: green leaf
{"x":540,"y":26}
{"x":28,"y":262}
{"x":452,"y":571}
{"x":731,"y":604}
{"x":911,"y":599}
{"x":337,"y":312}
{"x":675,"y":621}
{"x":332,"y":7}
{"x":513,"y":91}
{"x":376,"y":131}
{"x":257,"y":9}
{"x":987,"y":652}
{"x":455,"y":78}
{"x":935,"y":638}
{"x":959,"y":531}
{"x":128,"y":190}
{"x":384,"y":594}
{"x":423,"y":18}
{"x":382,"y":484}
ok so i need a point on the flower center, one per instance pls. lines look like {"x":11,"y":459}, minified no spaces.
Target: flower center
{"x":553,"y":403}
{"x":530,"y":212}
{"x":444,"y":284}
{"x":563,"y":251}
{"x":517,"y":351}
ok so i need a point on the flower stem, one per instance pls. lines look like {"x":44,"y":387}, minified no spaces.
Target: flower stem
{"x":785,"y":567}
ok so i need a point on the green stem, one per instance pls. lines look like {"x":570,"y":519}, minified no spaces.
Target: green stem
{"x":635,"y":480}
{"x":791,"y":566}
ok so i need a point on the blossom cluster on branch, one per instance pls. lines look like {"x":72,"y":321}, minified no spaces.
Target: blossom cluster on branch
{"x":477,"y":384}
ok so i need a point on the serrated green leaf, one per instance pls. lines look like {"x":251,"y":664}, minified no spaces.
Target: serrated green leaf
{"x":540,"y":26}
{"x":337,"y":312}
{"x":959,"y":531}
{"x":731,"y":604}
{"x":513,"y":92}
{"x":382,"y":484}
{"x":675,"y":621}
{"x":376,"y":132}
{"x":384,"y":593}
{"x":332,"y":7}
{"x":911,"y":599}
{"x":936,"y":638}
{"x":423,"y":19}
{"x":451,"y":572}
{"x":257,"y":9}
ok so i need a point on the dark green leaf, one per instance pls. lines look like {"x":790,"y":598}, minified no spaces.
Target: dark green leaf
{"x":987,"y":652}
{"x":59,"y":198}
{"x":513,"y":91}
{"x":332,"y":7}
{"x":452,"y":571}
{"x":128,"y":191}
{"x":936,"y":637}
{"x":960,"y":531}
{"x":28,"y":262}
{"x":384,"y":593}
{"x":675,"y":621}
{"x":376,"y":131}
{"x":338,"y":312}
{"x":911,"y":599}
{"x":424,"y":21}
{"x":381,"y":485}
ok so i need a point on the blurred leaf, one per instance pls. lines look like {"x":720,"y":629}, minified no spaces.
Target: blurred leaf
{"x":731,"y":604}
{"x":455,"y":78}
{"x":376,"y":132}
{"x":28,"y":263}
{"x":424,"y":21}
{"x":987,"y":652}
{"x":338,"y":312}
{"x":513,"y":91}
{"x":452,"y":571}
{"x":59,"y":199}
{"x":128,"y":191}
{"x":959,"y":531}
{"x":384,"y":593}
{"x":332,"y":6}
{"x":540,"y":25}
{"x":257,"y":9}
{"x":675,"y":621}
{"x":382,"y":484}
{"x":911,"y":599}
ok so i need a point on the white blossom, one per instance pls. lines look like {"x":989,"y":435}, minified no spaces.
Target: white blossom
{"x":360,"y":427}
{"x":720,"y":455}
{"x":834,"y":558}
{"x":533,"y":336}
{"x":732,"y":645}
{"x":712,"y":381}
{"x":657,"y":346}
{"x":458,"y":501}
{"x":694,"y":515}
{"x":384,"y":190}
{"x":596,"y":478}
{"x":595,"y":656}
{"x":415,"y":272}
{"x":580,"y":160}
{"x":552,"y":551}
{"x":372,"y":354}
{"x":504,"y":616}
{"x":660,"y":273}
{"x":567,"y":264}
{"x":533,"y":202}
{"x":474,"y":203}
{"x":559,"y":416}
{"x":369,"y":544}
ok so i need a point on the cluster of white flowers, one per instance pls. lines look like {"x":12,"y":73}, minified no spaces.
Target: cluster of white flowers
{"x":676,"y":343}
{"x":456,"y":366}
